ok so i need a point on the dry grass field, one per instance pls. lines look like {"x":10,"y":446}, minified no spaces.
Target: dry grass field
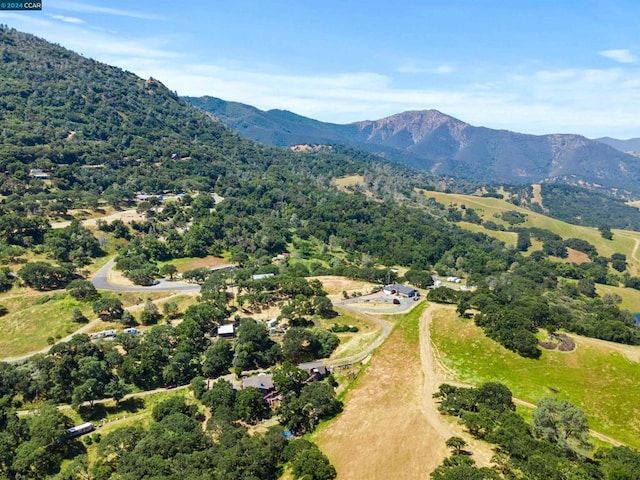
{"x":390,"y":428}
{"x":334,"y":286}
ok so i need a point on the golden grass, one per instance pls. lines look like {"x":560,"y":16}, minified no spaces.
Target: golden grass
{"x":34,"y":317}
{"x":382,"y":433}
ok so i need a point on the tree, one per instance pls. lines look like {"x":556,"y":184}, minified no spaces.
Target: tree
{"x":587,"y":287}
{"x":419,"y":278}
{"x":108,"y":308}
{"x":218,"y":358}
{"x":524,"y":240}
{"x":77,"y":316}
{"x":322,"y":306}
{"x":250,"y":406}
{"x":173,"y":405}
{"x":288,"y":378}
{"x":168,"y":269}
{"x":312,"y":464}
{"x":170,"y":309}
{"x":620,"y":463}
{"x":127,"y":319}
{"x":562,"y":423}
{"x":220,"y":395}
{"x":44,"y":276}
{"x":198,"y":386}
{"x":456,"y":444}
{"x":7,"y":278}
{"x":300,"y":345}
{"x":605,"y":232}
{"x":144,"y":275}
{"x":82,"y":290}
{"x":117,"y":389}
{"x":149,"y":314}
{"x":619,"y":262}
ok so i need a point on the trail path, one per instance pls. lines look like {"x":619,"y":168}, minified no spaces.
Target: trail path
{"x":358,"y":357}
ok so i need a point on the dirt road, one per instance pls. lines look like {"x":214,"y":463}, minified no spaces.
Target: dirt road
{"x":436,"y":373}
{"x":433,"y":376}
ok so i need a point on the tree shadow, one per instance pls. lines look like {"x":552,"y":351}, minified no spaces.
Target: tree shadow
{"x":100,"y":411}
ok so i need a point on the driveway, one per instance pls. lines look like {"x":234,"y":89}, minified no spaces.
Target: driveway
{"x":101,"y":282}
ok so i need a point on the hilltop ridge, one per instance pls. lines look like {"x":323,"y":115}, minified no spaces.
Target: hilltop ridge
{"x":441,"y":144}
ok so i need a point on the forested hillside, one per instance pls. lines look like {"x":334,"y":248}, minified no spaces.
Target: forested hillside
{"x":80,"y":134}
{"x":436,"y":142}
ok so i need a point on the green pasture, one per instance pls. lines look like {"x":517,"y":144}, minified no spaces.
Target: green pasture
{"x":34,"y":317}
{"x":596,"y":377}
{"x":624,"y":241}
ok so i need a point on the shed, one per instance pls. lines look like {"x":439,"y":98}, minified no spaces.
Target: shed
{"x":316,"y":370}
{"x":226,"y":330}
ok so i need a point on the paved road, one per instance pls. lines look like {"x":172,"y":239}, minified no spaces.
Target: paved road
{"x":101,"y":282}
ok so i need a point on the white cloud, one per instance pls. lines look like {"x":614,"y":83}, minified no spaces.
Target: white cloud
{"x":592,"y":102}
{"x":444,"y":69}
{"x":62,"y":18}
{"x":413,"y":68}
{"x":619,"y":55}
{"x":88,"y":8}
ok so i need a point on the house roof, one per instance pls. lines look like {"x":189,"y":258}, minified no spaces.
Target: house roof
{"x":403,"y":289}
{"x":226,"y":329}
{"x":260,"y":276}
{"x":263,"y":381}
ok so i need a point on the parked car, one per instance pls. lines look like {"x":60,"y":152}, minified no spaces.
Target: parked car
{"x":396,"y":301}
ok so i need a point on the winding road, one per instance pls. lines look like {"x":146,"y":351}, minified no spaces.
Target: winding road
{"x":101,"y":282}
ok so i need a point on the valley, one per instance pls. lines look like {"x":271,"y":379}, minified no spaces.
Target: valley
{"x":225,"y":309}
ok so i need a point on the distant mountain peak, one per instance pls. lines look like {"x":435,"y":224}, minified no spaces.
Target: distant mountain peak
{"x":444,"y":145}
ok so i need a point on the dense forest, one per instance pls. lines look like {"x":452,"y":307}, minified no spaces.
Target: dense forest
{"x":579,"y":206}
{"x":80,"y":134}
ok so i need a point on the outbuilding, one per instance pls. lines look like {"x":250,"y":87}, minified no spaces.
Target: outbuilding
{"x":227,"y":331}
{"x":401,"y":290}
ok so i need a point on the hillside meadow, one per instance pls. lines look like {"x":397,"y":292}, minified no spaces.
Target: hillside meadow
{"x":624,"y":241}
{"x":598,"y":376}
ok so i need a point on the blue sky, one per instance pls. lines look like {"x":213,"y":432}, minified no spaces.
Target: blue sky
{"x":534,"y":66}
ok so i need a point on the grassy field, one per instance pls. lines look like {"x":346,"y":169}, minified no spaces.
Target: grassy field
{"x":382,"y":433}
{"x":624,"y":241}
{"x":352,"y":343}
{"x":598,"y":376}
{"x":33,"y":317}
{"x":630,"y":297}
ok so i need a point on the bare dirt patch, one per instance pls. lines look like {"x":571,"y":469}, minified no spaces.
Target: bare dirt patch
{"x":336,"y":285}
{"x":391,"y":427}
{"x":116,"y":277}
{"x":202,"y":263}
{"x":574,"y":256}
{"x":127,"y":216}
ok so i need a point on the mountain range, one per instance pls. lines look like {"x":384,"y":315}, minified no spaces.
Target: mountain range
{"x":632,"y":145}
{"x":443,"y":145}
